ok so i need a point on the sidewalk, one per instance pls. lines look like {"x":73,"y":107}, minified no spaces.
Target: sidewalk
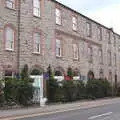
{"x":49,"y":109}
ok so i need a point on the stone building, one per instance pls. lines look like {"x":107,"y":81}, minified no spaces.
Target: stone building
{"x":43,"y":32}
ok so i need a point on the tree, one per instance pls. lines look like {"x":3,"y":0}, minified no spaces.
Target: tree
{"x":52,"y":85}
{"x":70,"y":73}
{"x":25,"y":88}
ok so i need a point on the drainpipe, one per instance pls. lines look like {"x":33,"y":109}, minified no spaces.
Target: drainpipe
{"x":18,"y":43}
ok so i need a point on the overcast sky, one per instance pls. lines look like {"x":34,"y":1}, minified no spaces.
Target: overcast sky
{"x":107,"y":12}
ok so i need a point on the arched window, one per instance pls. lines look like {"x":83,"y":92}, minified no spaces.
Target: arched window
{"x":9,"y":38}
{"x":36,"y":71}
{"x":101,"y":74}
{"x":90,"y":75}
{"x":58,"y":73}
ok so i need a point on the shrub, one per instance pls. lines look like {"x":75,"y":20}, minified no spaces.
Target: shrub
{"x":1,"y":93}
{"x":98,"y":88}
{"x":80,"y":90}
{"x":19,"y":91}
{"x":70,"y":90}
{"x":10,"y":90}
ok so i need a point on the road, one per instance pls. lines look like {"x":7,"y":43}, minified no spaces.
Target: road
{"x":107,"y":112}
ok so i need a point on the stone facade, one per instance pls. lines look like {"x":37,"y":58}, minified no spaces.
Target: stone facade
{"x":49,"y":31}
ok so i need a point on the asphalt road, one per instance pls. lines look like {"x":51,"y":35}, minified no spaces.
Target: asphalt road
{"x":107,"y":112}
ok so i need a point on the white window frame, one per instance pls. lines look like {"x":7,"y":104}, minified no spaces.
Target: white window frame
{"x":109,"y":58}
{"x":10,"y":4}
{"x":99,"y":34}
{"x":108,"y":37}
{"x":88,"y":29}
{"x":37,"y":42}
{"x":74,"y":23}
{"x":100,"y":56}
{"x":58,"y":48}
{"x":115,"y":60}
{"x":75,"y":52}
{"x":9,"y":42}
{"x":36,"y":8}
{"x":58,"y":16}
{"x":90,"y":54}
{"x":114,"y":37}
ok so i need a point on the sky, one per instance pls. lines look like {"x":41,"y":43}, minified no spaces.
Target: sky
{"x":105,"y":12}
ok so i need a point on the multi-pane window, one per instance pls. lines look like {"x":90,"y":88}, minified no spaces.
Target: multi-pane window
{"x":109,"y":58}
{"x":36,"y":38}
{"x":110,"y":76}
{"x":58,"y":48}
{"x":101,"y":74}
{"x":88,"y":27}
{"x":58,"y":16}
{"x":90,"y":55}
{"x":74,"y":21}
{"x":75,"y":51}
{"x":108,"y":37}
{"x":114,"y":37}
{"x":9,"y":38}
{"x":100,"y":56}
{"x":99,"y":34}
{"x":36,"y":8}
{"x":115,"y":60}
{"x":10,"y":4}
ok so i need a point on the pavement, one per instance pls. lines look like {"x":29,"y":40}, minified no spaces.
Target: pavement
{"x":79,"y":107}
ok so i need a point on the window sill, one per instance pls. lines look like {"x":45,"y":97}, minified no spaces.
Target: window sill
{"x":14,"y":9}
{"x":59,"y":57}
{"x":10,"y":50}
{"x":36,"y":53}
{"x":39,"y":17}
{"x":59,"y":24}
{"x":75,"y":59}
{"x":75,"y":30}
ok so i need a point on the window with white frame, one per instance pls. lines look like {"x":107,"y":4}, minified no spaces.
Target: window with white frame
{"x":36,"y":8}
{"x":114,"y":37}
{"x":58,"y":48}
{"x":36,"y":38}
{"x":110,"y":76}
{"x":88,"y":25}
{"x":101,"y":74}
{"x":115,"y":60}
{"x":99,"y":34}
{"x":75,"y":51}
{"x":100,"y":56}
{"x":74,"y":21}
{"x":10,"y":4}
{"x":109,"y":58}
{"x":90,"y":55}
{"x":9,"y":38}
{"x":58,"y":16}
{"x":108,"y":37}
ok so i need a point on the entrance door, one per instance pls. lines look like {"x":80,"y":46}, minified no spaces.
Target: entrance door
{"x":38,"y":85}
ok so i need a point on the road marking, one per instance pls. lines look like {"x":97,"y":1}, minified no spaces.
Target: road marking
{"x":39,"y":114}
{"x":102,"y":115}
{"x":106,"y":118}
